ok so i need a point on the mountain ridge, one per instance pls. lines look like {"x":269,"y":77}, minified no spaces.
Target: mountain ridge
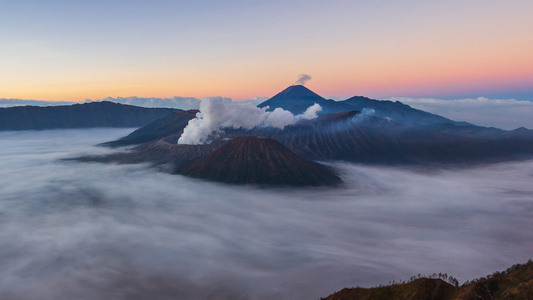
{"x":352,"y":136}
{"x":298,"y":98}
{"x":86,"y":115}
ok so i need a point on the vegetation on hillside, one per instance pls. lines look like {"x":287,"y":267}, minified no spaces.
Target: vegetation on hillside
{"x":514,"y":283}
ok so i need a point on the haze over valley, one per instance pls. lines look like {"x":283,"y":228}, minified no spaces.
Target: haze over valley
{"x":90,"y":230}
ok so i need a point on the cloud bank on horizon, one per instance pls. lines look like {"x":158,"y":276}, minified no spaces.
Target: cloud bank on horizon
{"x":506,"y":114}
{"x":185,"y":103}
{"x":218,"y":112}
{"x":23,"y":102}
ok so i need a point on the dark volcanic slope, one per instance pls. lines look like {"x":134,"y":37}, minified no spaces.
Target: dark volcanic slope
{"x":350,"y":136}
{"x":255,"y":160}
{"x":394,"y":134}
{"x":296,"y":99}
{"x":397,"y":111}
{"x":514,"y":283}
{"x":95,"y":114}
{"x":170,"y":126}
{"x":346,"y":136}
{"x":170,"y":157}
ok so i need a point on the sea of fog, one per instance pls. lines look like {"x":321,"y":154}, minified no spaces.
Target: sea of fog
{"x":73,"y":230}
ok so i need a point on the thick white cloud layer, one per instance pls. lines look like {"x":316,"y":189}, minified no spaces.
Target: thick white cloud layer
{"x":72,"y":230}
{"x":501,"y":113}
{"x":218,"y":112}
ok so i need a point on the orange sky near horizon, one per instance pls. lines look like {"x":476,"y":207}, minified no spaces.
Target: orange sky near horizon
{"x":482,"y":48}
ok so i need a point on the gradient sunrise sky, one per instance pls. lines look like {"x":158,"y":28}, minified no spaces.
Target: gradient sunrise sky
{"x":76,"y":50}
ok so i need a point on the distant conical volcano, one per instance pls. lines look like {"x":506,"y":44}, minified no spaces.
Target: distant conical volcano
{"x":296,"y":99}
{"x":256,"y":160}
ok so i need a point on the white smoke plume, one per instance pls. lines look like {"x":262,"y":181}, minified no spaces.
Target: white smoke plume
{"x":302,"y":79}
{"x":366,"y":112}
{"x":217,"y":112}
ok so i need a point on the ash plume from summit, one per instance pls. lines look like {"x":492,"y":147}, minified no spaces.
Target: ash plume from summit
{"x":302,"y":79}
{"x":217,"y":113}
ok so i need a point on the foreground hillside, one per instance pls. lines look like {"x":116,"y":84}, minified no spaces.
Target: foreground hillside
{"x":95,"y":114}
{"x":513,"y":283}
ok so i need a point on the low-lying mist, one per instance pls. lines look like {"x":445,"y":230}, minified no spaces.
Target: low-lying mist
{"x":72,"y":230}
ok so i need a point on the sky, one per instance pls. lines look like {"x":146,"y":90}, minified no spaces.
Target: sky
{"x":76,"y":50}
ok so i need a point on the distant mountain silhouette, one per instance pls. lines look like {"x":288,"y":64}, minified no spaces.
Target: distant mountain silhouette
{"x":95,"y":114}
{"x":257,"y":160}
{"x":397,"y":111}
{"x":298,"y":98}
